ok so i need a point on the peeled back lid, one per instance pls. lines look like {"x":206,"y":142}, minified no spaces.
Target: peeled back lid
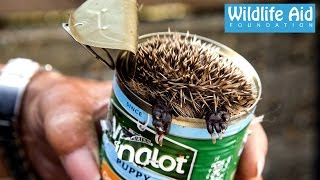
{"x":105,"y":24}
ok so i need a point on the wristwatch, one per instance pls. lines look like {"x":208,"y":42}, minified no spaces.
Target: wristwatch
{"x":14,"y":78}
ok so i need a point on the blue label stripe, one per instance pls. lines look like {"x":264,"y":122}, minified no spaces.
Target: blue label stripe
{"x":129,"y":106}
{"x":270,"y":18}
{"x":176,"y":130}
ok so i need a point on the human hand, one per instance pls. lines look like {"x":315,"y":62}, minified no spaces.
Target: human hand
{"x":252,"y":159}
{"x":57,"y":127}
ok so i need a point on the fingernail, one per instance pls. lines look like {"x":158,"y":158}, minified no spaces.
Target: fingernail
{"x":260,"y":166}
{"x":80,"y":164}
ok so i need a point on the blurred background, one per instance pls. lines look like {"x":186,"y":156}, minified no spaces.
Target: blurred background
{"x":287,"y":64}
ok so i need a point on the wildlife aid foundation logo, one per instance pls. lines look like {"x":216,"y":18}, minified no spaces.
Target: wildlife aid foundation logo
{"x":269,"y":18}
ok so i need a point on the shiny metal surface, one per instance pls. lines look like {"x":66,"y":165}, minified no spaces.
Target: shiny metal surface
{"x":105,"y":25}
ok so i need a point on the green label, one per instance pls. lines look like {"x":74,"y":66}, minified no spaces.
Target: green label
{"x":137,"y":155}
{"x":172,"y":159}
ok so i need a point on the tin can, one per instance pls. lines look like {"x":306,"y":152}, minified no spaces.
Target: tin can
{"x":128,"y":147}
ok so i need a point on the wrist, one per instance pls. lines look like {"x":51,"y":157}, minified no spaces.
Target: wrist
{"x":15,"y":77}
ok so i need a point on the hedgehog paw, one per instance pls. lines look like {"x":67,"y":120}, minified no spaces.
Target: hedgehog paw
{"x":162,"y":118}
{"x":217,"y":122}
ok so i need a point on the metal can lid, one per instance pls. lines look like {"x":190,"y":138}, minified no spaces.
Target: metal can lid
{"x":103,"y":25}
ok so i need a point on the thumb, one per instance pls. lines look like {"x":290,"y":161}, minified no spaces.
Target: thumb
{"x":69,"y":128}
{"x":253,"y":156}
{"x":73,"y":139}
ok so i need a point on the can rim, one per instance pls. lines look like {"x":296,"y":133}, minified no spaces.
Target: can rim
{"x":246,"y":68}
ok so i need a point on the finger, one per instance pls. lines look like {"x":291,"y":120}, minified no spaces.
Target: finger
{"x":72,"y":136}
{"x":69,"y":127}
{"x":99,"y":93}
{"x":253,"y":156}
{"x":80,"y":164}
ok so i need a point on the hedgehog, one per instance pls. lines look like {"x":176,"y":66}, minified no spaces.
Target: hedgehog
{"x":183,"y":76}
